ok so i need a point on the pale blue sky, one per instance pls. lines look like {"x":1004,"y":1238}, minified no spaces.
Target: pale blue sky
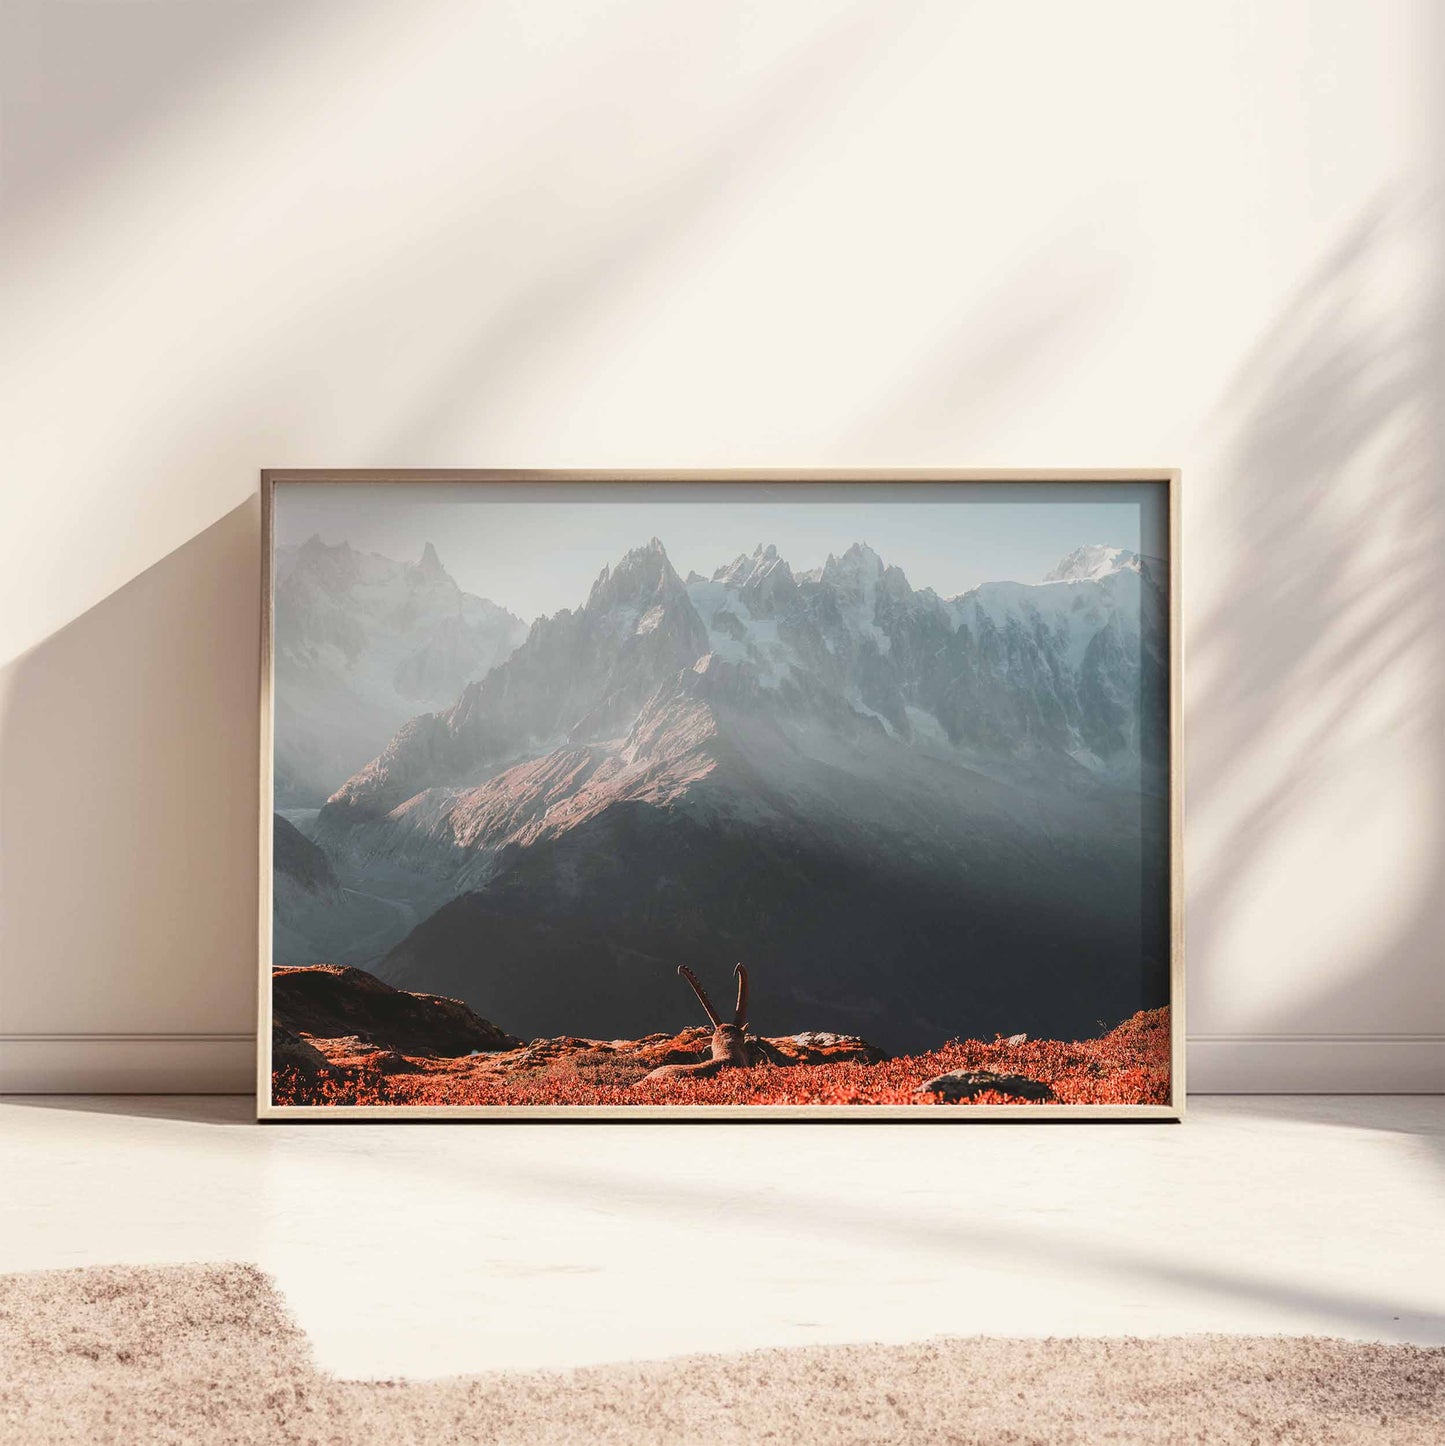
{"x":536,"y":548}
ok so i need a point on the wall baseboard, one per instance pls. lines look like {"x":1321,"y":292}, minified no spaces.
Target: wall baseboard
{"x":79,"y":1064}
{"x":1316,"y":1064}
{"x":127,"y":1064}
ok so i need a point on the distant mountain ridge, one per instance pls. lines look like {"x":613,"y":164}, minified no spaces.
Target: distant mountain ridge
{"x":830,"y":773}
{"x":1008,"y":672}
{"x":362,"y":643}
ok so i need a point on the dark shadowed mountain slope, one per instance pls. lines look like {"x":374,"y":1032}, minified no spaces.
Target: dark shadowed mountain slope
{"x":872,"y":890}
{"x":297,"y":861}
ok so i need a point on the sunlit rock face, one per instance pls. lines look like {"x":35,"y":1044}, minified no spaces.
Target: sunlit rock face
{"x":937,"y":815}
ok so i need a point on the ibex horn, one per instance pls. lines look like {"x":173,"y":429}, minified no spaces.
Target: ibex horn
{"x":741,"y":1017}
{"x":698,"y":990}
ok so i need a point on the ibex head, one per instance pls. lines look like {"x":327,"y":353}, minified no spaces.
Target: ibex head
{"x":728,"y":1040}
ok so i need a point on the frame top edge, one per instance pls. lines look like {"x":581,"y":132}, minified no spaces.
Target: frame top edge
{"x":275,"y":476}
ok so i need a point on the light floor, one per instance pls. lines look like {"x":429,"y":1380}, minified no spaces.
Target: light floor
{"x":431,"y":1249}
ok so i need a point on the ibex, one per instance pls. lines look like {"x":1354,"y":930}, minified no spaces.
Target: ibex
{"x":729,"y":1041}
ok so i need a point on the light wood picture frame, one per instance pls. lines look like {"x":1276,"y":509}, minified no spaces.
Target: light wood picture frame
{"x":940,"y":815}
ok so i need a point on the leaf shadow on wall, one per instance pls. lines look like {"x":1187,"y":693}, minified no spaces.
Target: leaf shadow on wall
{"x":128,"y":786}
{"x":1316,"y":677}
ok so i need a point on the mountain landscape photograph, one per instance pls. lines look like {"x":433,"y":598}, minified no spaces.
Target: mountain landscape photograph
{"x":720,"y":794}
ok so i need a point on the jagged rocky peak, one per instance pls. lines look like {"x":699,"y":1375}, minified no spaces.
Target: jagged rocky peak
{"x":893,"y":582}
{"x":332,"y":565}
{"x":763,"y":580}
{"x":858,"y":564}
{"x":429,"y":568}
{"x":644,"y":572}
{"x":855,"y":576}
{"x":744,"y":568}
{"x":1092,"y":562}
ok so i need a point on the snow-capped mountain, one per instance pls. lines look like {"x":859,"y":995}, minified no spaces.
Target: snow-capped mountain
{"x":1093,"y":563}
{"x":829,"y":767}
{"x":1006,"y":675}
{"x":362,"y":644}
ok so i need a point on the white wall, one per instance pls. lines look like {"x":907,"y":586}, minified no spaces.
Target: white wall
{"x":719,"y":234}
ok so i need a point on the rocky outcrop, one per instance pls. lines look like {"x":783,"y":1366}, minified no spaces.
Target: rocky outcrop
{"x":687,"y":1047}
{"x":288,"y":1052}
{"x":329,"y":1002}
{"x":818,"y":1047}
{"x":691,"y":1045}
{"x":968,"y":1084}
{"x":349,"y":1053}
{"x":342,"y":1017}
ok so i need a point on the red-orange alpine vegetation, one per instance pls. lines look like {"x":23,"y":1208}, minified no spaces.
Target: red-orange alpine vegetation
{"x":1129,"y":1065}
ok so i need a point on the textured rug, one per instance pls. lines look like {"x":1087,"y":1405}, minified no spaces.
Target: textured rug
{"x":203,"y":1354}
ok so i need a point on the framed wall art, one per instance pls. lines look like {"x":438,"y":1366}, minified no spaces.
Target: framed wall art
{"x":697,"y":794}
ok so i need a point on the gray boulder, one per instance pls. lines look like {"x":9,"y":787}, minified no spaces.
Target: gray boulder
{"x":967,"y":1084}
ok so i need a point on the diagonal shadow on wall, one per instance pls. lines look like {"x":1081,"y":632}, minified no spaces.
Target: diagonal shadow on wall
{"x":128,"y":779}
{"x":124,"y":68}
